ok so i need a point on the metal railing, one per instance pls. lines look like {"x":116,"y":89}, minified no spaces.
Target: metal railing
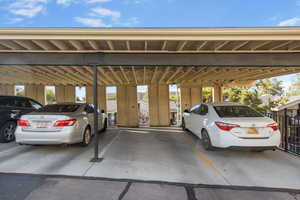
{"x":289,"y":124}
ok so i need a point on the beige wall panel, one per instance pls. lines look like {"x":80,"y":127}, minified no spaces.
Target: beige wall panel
{"x":185,"y":95}
{"x":217,"y":94}
{"x":122,"y":106}
{"x":69,"y":94}
{"x":89,"y":94}
{"x":196,"y":95}
{"x":41,"y":96}
{"x":164,"y":105}
{"x":36,"y":92}
{"x":153,"y":105}
{"x":60,"y":93}
{"x":159,"y":107}
{"x":132,"y":107}
{"x":7,"y":89}
{"x":102,"y":97}
{"x":127,"y":108}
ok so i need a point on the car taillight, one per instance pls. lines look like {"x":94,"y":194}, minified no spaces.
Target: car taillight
{"x":23,"y":123}
{"x":225,"y":126}
{"x":61,"y":123}
{"x":273,"y":126}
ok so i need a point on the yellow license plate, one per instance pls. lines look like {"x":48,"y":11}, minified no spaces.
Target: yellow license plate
{"x":252,"y":131}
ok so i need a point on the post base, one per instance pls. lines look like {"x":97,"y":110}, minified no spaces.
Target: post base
{"x":96,"y":160}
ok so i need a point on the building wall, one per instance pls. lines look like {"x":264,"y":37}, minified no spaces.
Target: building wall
{"x":127,"y":107}
{"x":159,"y":107}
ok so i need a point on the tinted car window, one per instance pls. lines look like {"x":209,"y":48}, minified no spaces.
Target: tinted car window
{"x":35,"y":104}
{"x":236,"y":111}
{"x":6,"y":101}
{"x":59,"y":108}
{"x":203,"y":109}
{"x":22,"y":103}
{"x":195,"y":109}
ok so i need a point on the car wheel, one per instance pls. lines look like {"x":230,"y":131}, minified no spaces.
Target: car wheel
{"x":7,"y":132}
{"x":87,"y":137}
{"x":206,"y":142}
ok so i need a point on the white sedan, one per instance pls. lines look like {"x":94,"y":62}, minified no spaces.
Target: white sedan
{"x":231,"y":125}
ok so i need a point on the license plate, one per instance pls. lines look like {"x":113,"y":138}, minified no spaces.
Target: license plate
{"x":43,"y":124}
{"x":252,"y":131}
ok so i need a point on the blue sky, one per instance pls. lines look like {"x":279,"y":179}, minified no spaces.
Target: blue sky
{"x":150,"y":13}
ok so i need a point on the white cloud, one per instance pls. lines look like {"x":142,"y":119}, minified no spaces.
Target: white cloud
{"x":92,"y":22}
{"x":98,"y":1}
{"x":290,"y":22}
{"x":14,"y":20}
{"x":107,"y":13}
{"x":133,"y":21}
{"x":64,"y":2}
{"x":27,"y":8}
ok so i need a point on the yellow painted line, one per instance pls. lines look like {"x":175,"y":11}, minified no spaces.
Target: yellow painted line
{"x":200,"y":154}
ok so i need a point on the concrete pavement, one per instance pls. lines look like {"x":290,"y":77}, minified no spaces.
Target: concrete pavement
{"x":156,"y":154}
{"x":37,"y":187}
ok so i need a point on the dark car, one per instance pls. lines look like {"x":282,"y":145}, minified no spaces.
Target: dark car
{"x":11,"y":109}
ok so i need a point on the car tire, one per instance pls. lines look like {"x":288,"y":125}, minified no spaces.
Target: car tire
{"x":7,"y":132}
{"x":206,"y":142}
{"x":87,"y":137}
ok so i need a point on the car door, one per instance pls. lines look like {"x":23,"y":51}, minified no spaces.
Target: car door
{"x":187,"y":115}
{"x":90,"y":115}
{"x":199,"y":119}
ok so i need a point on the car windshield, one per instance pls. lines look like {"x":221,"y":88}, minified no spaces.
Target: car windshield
{"x":59,"y":108}
{"x":236,"y":111}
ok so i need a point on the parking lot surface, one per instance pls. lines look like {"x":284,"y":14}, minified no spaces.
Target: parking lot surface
{"x":155,"y":154}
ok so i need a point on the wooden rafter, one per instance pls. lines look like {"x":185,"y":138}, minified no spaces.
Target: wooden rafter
{"x":60,"y":44}
{"x":154,"y":74}
{"x":239,"y":46}
{"x":124,"y":74}
{"x":181,"y":45}
{"x":164,"y":74}
{"x":134,"y":74}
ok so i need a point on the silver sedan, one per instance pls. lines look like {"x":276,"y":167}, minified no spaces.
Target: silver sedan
{"x":65,"y":123}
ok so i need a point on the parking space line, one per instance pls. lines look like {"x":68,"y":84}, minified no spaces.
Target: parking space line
{"x":203,"y":157}
{"x":101,"y":154}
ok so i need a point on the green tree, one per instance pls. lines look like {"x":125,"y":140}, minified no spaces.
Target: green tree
{"x":50,"y":96}
{"x":294,"y":90}
{"x":252,"y":95}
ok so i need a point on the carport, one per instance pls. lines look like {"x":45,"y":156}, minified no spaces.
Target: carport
{"x":190,"y":58}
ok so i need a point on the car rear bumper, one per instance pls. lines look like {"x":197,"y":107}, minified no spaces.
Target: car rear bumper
{"x":226,"y":140}
{"x":57,"y":137}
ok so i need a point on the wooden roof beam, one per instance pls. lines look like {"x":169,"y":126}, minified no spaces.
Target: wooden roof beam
{"x":115,"y":74}
{"x":242,"y":44}
{"x":260,"y":45}
{"x":43,"y":44}
{"x":221,"y":45}
{"x":60,"y":44}
{"x":164,"y":74}
{"x":93,"y":44}
{"x":25,"y":45}
{"x":134,"y":75}
{"x":174,"y":74}
{"x":128,"y":45}
{"x":76,"y":44}
{"x":124,"y":74}
{"x":281,"y":45}
{"x":200,"y":47}
{"x":181,"y":45}
{"x":110,"y":44}
{"x":164,"y":45}
{"x":153,"y":75}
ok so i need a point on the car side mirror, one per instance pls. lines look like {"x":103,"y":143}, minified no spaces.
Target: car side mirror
{"x":102,"y":111}
{"x":186,"y":111}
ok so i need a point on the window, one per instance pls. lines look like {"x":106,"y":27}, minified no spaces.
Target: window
{"x":6,"y":101}
{"x":195,"y":109}
{"x":203,"y":109}
{"x":59,"y":108}
{"x":236,"y":111}
{"x":89,"y":109}
{"x":35,"y":105}
{"x":22,"y":103}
